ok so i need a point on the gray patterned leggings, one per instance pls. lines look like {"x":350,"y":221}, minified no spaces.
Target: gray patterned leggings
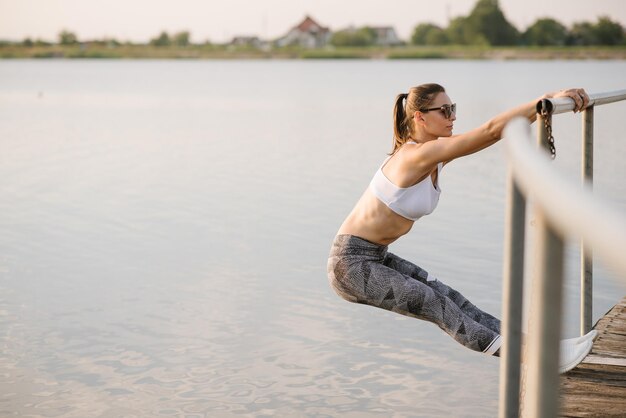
{"x":361,"y":271}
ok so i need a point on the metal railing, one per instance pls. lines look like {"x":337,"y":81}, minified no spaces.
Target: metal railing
{"x":562,"y":210}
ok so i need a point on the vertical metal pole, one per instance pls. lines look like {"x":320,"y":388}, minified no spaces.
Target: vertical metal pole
{"x":534,"y":320}
{"x":586,"y":257}
{"x":542,"y":133}
{"x":545,"y":336}
{"x":512,"y":296}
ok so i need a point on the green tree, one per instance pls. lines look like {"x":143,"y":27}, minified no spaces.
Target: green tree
{"x":437,"y":38}
{"x":544,"y":32}
{"x":429,"y":34}
{"x":460,"y":31}
{"x":354,"y":37}
{"x":181,"y":39}
{"x":28,"y":42}
{"x":457,"y":30}
{"x":487,"y":19}
{"x":369,"y":33}
{"x":582,"y":33}
{"x":67,"y":38}
{"x":162,"y":40}
{"x":608,"y":32}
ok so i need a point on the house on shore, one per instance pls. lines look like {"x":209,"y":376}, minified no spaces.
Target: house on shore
{"x":386,"y":36}
{"x":307,"y":34}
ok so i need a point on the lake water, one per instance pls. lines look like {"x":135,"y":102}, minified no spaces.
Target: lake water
{"x":165,"y":226}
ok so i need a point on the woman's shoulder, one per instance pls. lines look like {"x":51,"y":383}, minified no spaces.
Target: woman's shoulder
{"x":427,"y":154}
{"x":407,"y":164}
{"x":414,"y":154}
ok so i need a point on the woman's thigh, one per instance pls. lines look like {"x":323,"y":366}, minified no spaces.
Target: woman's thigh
{"x":414,"y":271}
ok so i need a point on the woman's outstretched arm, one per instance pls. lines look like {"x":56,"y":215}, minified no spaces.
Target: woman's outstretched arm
{"x":447,"y":149}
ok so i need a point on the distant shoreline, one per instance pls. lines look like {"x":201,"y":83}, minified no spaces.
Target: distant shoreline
{"x":91,"y":51}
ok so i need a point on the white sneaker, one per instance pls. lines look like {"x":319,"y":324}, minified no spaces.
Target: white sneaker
{"x":572,"y":353}
{"x":590,"y":336}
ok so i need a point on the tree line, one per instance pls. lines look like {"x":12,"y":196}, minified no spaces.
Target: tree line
{"x":486,"y":25}
{"x":66,"y":37}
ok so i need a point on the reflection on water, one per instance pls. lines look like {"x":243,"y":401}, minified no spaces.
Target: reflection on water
{"x":165,"y":227}
{"x":201,"y":351}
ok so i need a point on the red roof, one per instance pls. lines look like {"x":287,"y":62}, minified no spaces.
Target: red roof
{"x":310,"y":25}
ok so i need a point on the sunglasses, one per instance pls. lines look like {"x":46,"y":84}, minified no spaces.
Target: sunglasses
{"x":446,"y":109}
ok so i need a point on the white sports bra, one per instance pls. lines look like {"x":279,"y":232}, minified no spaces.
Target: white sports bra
{"x":411,"y":202}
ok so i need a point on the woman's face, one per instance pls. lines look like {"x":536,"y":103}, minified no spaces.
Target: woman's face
{"x":435,"y":121}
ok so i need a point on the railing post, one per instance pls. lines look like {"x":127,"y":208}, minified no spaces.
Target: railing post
{"x":545,"y":335}
{"x":542,"y":132}
{"x":586,"y":257}
{"x":512,"y":295}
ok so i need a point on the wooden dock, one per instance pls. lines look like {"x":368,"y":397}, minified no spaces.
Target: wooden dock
{"x":597,"y":386}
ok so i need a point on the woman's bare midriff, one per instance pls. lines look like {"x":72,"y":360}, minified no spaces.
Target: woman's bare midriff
{"x":374,"y":221}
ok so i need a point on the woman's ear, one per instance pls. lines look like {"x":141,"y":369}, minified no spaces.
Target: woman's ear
{"x":418,"y":117}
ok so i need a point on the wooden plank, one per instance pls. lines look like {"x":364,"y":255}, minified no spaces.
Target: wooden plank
{"x":597,"y":386}
{"x":609,"y":361}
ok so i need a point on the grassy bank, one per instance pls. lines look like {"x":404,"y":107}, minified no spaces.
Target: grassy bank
{"x":227,"y":52}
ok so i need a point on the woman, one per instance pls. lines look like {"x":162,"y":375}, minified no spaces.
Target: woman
{"x":405,"y":188}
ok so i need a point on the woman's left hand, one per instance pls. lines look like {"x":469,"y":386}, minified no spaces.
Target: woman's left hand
{"x":580,"y":97}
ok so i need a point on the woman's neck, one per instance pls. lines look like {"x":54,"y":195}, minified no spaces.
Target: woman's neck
{"x":422,"y":139}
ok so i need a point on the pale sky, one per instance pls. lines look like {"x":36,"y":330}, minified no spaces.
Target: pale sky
{"x":220,"y":20}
